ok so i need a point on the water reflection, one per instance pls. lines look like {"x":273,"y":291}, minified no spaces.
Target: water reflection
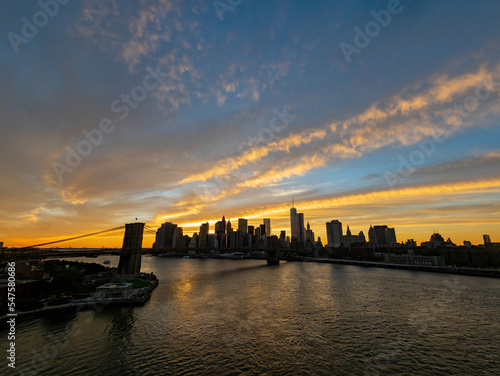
{"x":241,"y":316}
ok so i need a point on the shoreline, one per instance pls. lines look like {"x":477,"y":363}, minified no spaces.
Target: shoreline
{"x":82,"y":305}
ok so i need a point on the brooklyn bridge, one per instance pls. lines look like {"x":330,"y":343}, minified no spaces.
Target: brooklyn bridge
{"x":130,"y":253}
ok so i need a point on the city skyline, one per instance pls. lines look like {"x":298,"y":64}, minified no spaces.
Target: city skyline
{"x":374,"y":113}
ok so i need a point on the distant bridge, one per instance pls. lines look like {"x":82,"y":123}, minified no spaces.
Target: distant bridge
{"x":130,"y":253}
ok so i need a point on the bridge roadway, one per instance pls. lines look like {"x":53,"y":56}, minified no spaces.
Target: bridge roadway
{"x":13,"y":254}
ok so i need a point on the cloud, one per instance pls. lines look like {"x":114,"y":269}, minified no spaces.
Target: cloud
{"x":406,"y":120}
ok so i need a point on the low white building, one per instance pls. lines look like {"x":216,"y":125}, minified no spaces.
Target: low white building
{"x":113,"y":291}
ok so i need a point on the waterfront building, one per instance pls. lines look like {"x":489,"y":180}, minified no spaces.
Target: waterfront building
{"x":165,"y":236}
{"x":349,"y":239}
{"x":251,"y":230}
{"x":204,"y":228}
{"x":179,"y":233}
{"x":334,"y":233}
{"x":242,"y":225}
{"x":382,"y":235}
{"x":391,"y":236}
{"x":411,"y":243}
{"x":371,"y":236}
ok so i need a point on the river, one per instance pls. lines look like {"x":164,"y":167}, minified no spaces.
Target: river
{"x":232,"y":317}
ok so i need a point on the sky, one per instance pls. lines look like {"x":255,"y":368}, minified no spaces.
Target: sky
{"x":369,"y":112}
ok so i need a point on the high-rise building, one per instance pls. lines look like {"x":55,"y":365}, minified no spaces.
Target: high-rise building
{"x":390,"y":234}
{"x":194,"y":241}
{"x":349,"y":239}
{"x":219,"y":228}
{"x":262,"y":230}
{"x":257,"y":233}
{"x":267,"y":223}
{"x":228,"y":227}
{"x":487,"y":239}
{"x":283,"y":235}
{"x":165,"y":236}
{"x":242,"y":225}
{"x":297,"y":225}
{"x":294,"y":224}
{"x":302,"y":228}
{"x":251,"y":230}
{"x":372,"y":239}
{"x":179,"y":233}
{"x":381,"y":234}
{"x":334,"y":233}
{"x":309,"y":233}
{"x":203,"y":235}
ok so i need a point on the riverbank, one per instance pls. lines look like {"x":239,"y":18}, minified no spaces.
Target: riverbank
{"x":139,"y":297}
{"x":476,"y":272}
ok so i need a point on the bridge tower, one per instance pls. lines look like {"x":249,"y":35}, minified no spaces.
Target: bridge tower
{"x":130,"y":258}
{"x":273,"y":257}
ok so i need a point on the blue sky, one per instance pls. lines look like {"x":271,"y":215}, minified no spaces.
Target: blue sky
{"x":205,"y":137}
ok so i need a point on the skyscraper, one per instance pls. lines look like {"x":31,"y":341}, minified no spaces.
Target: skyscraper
{"x":165,"y":236}
{"x":242,"y":225}
{"x":262,"y":230}
{"x":334,"y":233}
{"x":297,"y":225}
{"x":267,"y":223}
{"x":486,"y":239}
{"x":372,"y":239}
{"x":390,"y":233}
{"x":203,"y":234}
{"x":380,"y":234}
{"x":309,"y":233}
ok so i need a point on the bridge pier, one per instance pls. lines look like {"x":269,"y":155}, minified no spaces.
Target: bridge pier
{"x":130,"y":258}
{"x":273,"y":257}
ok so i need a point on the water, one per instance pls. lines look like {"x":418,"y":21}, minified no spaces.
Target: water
{"x":232,"y":317}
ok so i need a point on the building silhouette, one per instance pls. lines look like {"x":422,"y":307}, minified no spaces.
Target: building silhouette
{"x":309,"y":233}
{"x":267,"y":223}
{"x":334,"y":233}
{"x":204,"y":228}
{"x":242,"y":225}
{"x":349,"y":239}
{"x":165,"y":236}
{"x":297,"y":225}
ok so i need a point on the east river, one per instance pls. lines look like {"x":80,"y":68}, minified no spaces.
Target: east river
{"x":232,"y":317}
